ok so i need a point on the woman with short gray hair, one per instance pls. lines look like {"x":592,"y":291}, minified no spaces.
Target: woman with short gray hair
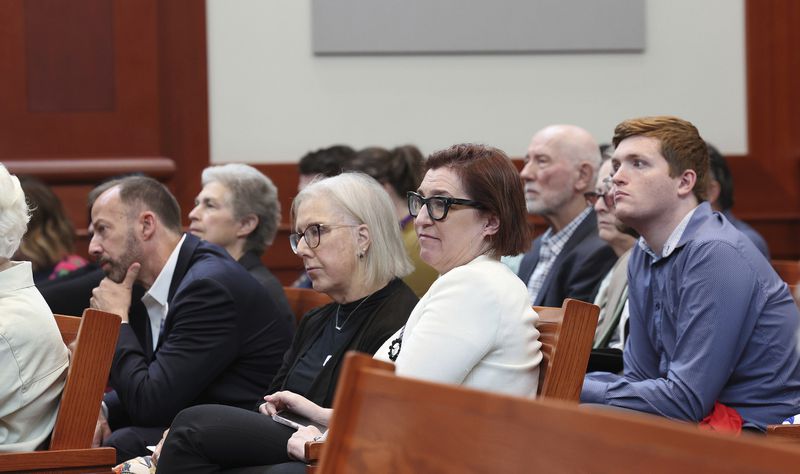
{"x":238,"y":209}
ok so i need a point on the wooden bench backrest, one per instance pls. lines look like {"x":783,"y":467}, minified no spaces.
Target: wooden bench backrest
{"x":303,"y":300}
{"x":385,"y":423}
{"x":87,"y":377}
{"x":566,"y":334}
{"x":788,"y":270}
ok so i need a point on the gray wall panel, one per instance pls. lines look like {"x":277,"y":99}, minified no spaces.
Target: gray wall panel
{"x":476,"y":26}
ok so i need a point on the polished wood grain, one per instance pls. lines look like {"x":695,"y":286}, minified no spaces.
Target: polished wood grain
{"x":566,"y":335}
{"x":385,"y":423}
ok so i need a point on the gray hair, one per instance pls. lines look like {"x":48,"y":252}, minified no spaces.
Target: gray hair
{"x":364,"y":201}
{"x":251,"y":193}
{"x":14,"y":213}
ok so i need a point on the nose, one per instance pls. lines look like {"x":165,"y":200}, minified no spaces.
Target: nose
{"x":95,"y":249}
{"x":600,"y":206}
{"x":193,"y":215}
{"x":528,"y":172}
{"x":423,"y":218}
{"x":303,"y":250}
{"x":618,"y":177}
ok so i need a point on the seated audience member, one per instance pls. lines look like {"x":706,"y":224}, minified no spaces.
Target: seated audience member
{"x":713,"y":330}
{"x":569,"y":259}
{"x":322,"y":163}
{"x":213,"y":335}
{"x":238,"y":210}
{"x":612,"y":295}
{"x":720,"y":195}
{"x":399,"y":171}
{"x":49,"y":241}
{"x":33,"y":356}
{"x":469,"y":210}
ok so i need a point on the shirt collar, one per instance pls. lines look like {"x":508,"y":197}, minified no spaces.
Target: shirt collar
{"x":566,"y":232}
{"x":160,"y":289}
{"x":672,"y":241}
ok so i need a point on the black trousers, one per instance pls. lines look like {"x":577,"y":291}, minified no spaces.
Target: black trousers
{"x":132,"y":441}
{"x":217,"y":438}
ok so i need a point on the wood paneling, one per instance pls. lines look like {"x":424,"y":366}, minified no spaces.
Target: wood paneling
{"x":768,"y":179}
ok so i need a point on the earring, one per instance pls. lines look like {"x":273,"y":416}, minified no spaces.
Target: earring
{"x":360,"y":254}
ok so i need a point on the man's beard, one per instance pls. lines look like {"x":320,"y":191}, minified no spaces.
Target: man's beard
{"x":119,"y":268}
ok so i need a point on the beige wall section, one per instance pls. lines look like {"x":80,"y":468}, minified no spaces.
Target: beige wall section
{"x":271,"y":100}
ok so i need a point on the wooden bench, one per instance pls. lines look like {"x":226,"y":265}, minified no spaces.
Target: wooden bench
{"x":70,"y":450}
{"x":385,"y":423}
{"x":303,"y":300}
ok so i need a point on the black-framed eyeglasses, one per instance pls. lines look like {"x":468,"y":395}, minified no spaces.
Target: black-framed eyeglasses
{"x":312,"y":235}
{"x":437,"y":205}
{"x":592,"y":198}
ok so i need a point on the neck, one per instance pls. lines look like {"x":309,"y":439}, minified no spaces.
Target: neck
{"x":156,"y":257}
{"x":622,"y":244}
{"x":236,"y":249}
{"x":355,"y":293}
{"x":657,"y":233}
{"x":5,"y":264}
{"x":566,"y":214}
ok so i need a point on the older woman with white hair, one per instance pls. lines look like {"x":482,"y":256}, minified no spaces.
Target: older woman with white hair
{"x":350,"y":243}
{"x":32,"y":353}
{"x":238,"y":210}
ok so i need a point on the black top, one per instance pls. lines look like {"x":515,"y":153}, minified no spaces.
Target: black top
{"x":331,"y":339}
{"x":367,"y":330}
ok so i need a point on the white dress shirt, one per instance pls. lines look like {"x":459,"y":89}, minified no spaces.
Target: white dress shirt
{"x":155,"y":300}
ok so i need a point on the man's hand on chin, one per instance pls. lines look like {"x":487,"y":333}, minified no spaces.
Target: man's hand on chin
{"x":115,"y":297}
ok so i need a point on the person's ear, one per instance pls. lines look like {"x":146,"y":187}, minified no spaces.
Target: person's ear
{"x":491,"y":226}
{"x":363,"y":239}
{"x":686,"y":182}
{"x":147,"y":223}
{"x":247,"y":225}
{"x":586,"y":177}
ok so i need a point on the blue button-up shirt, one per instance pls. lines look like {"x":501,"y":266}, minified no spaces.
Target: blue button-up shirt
{"x":711,"y":321}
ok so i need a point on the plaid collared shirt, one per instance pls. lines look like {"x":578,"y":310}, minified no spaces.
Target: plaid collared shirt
{"x":552,"y":244}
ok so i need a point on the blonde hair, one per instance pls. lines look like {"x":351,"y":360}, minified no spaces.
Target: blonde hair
{"x":362,"y":199}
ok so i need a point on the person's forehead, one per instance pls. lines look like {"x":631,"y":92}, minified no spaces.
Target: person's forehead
{"x":314,"y":210}
{"x":442,"y":179}
{"x":216,"y":190}
{"x":639,"y":145}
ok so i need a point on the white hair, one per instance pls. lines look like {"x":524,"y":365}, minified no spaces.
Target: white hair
{"x":14,"y":213}
{"x":363,"y":200}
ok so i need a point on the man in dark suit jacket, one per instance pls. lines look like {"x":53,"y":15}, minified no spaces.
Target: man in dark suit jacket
{"x":211,"y":334}
{"x":569,"y":259}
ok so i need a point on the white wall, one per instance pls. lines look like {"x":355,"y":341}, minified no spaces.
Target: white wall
{"x":271,"y":100}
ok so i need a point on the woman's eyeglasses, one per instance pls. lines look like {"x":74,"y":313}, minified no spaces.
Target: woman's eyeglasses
{"x":312,"y":235}
{"x":593,"y":197}
{"x":437,"y":205}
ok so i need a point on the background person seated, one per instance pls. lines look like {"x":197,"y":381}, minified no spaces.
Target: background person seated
{"x":348,"y":239}
{"x":720,"y":195}
{"x":474,"y":327}
{"x":238,"y":210}
{"x":33,"y":357}
{"x":49,"y":243}
{"x":569,"y":259}
{"x":213,"y":334}
{"x":713,"y":329}
{"x":399,"y":170}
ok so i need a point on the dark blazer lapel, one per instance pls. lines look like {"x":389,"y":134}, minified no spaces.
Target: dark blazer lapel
{"x":583,"y":230}
{"x":184,"y":259}
{"x":181,"y":267}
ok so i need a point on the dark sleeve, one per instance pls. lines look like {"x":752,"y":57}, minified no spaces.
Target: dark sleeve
{"x":200,"y":342}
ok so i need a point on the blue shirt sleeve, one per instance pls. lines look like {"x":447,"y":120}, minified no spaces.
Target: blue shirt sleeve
{"x":689,"y":326}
